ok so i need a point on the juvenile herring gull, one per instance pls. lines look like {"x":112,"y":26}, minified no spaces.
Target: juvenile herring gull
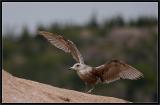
{"x":106,"y":73}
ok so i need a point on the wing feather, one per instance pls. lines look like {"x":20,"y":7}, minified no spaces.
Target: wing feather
{"x":115,"y":69}
{"x":63,"y":44}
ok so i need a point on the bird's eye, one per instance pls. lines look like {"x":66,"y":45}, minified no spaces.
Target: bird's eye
{"x":77,"y":65}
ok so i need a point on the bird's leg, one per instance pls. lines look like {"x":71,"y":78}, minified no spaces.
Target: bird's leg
{"x":90,"y":90}
{"x":86,"y":88}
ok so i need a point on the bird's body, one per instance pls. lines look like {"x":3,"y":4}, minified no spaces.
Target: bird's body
{"x":88,"y":75}
{"x":106,"y":73}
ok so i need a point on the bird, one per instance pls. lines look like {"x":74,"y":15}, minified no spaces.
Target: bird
{"x":108,"y":72}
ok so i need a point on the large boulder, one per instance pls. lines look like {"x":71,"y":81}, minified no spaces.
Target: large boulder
{"x":18,"y":90}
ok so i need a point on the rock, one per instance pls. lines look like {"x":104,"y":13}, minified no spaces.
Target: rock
{"x":18,"y":90}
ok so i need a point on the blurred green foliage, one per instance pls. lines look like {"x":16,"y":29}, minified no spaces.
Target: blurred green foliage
{"x":32,"y":57}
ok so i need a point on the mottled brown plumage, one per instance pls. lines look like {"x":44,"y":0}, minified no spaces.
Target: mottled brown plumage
{"x":116,"y":69}
{"x":106,"y":73}
{"x":63,"y":44}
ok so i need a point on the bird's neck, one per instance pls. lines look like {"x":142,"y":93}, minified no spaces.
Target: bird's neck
{"x":85,"y":69}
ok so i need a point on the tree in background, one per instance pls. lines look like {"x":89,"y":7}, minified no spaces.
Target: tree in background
{"x":32,"y":57}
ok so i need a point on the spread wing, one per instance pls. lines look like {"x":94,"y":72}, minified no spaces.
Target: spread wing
{"x":63,"y":44}
{"x":115,"y":69}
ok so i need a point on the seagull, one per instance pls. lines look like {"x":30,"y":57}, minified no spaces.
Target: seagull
{"x":105,"y":73}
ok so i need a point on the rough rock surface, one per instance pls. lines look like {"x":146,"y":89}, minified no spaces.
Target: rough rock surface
{"x":17,"y":90}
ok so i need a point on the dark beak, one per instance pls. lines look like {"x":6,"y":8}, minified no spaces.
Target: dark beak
{"x":70,"y":68}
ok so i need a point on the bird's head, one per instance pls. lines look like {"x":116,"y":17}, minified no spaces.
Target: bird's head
{"x":78,"y":66}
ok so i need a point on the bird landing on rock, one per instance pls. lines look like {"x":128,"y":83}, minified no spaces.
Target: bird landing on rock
{"x":106,"y":73}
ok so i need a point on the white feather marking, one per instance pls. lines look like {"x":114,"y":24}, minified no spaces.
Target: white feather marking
{"x":130,"y":74}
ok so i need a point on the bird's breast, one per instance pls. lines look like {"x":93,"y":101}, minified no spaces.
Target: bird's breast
{"x":87,"y":76}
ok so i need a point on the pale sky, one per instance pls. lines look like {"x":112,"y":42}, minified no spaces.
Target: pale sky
{"x":17,"y":14}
